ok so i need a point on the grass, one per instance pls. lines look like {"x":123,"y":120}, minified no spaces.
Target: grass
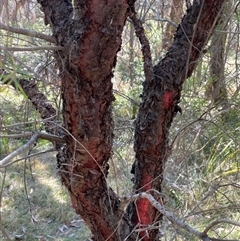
{"x":35,"y":206}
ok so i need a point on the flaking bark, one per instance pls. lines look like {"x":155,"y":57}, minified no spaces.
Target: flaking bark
{"x":158,"y":107}
{"x":90,"y":32}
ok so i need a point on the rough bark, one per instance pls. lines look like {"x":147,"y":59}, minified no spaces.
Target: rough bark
{"x":159,"y":105}
{"x":90,"y":31}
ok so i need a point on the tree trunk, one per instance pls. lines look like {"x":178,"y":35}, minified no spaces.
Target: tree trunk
{"x":216,"y":88}
{"x":159,"y":105}
{"x":176,"y":13}
{"x":90,"y":32}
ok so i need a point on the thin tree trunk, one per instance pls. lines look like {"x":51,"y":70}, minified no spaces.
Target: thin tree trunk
{"x":176,"y":13}
{"x":159,"y":105}
{"x":216,"y":89}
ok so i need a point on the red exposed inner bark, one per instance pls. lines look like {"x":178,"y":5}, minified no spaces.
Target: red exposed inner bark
{"x":167,"y":100}
{"x":143,"y":205}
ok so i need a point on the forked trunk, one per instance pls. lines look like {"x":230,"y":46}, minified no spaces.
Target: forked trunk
{"x":91,"y":32}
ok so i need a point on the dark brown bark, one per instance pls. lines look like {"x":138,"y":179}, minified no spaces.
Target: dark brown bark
{"x":92,"y":42}
{"x":160,"y":98}
{"x":91,"y":31}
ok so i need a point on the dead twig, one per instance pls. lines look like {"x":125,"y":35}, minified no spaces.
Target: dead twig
{"x":27,"y":32}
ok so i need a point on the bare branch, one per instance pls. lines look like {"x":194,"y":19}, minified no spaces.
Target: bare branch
{"x":224,"y":220}
{"x":28,"y":156}
{"x":168,"y":215}
{"x":8,"y":159}
{"x":37,"y":76}
{"x":201,"y":235}
{"x":5,"y":127}
{"x":42,"y":135}
{"x":39,"y":100}
{"x":27,"y":32}
{"x":5,"y":161}
{"x":31,"y":48}
{"x":146,"y":51}
{"x":175,"y":25}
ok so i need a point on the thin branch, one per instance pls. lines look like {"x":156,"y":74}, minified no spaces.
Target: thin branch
{"x":27,"y":32}
{"x":175,"y":25}
{"x":5,"y":127}
{"x":31,"y":48}
{"x":37,"y":76}
{"x":171,"y":217}
{"x":201,"y":235}
{"x":39,"y":101}
{"x":224,"y":220}
{"x":32,"y":155}
{"x":8,"y":159}
{"x":42,"y":135}
{"x":146,"y":51}
{"x":126,"y":97}
{"x":5,"y":161}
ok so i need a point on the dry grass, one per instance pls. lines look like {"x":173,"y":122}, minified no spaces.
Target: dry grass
{"x":35,"y":206}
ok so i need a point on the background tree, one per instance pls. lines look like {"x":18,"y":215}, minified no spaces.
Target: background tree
{"x":87,"y":37}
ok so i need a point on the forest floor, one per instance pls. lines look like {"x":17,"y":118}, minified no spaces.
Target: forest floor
{"x":35,"y":205}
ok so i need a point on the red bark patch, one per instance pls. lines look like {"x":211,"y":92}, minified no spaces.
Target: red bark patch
{"x":167,"y":100}
{"x":143,"y":206}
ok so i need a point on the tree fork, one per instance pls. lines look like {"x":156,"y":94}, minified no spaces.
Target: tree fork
{"x":158,"y":107}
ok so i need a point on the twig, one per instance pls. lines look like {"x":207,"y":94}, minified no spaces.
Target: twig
{"x":28,"y":122}
{"x":223,"y":220}
{"x":201,"y":235}
{"x":37,"y":76}
{"x":27,"y":32}
{"x":8,"y":159}
{"x":5,"y":161}
{"x":42,"y":135}
{"x":32,"y":155}
{"x":32,"y":48}
{"x":175,"y":25}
